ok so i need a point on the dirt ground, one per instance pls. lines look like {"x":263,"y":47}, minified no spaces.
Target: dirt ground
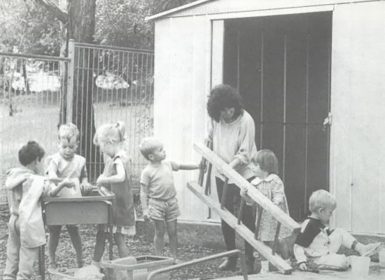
{"x":140,"y":245}
{"x":194,"y":242}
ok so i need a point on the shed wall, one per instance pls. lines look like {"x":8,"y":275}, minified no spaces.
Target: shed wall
{"x":358,"y":102}
{"x":182,"y":77}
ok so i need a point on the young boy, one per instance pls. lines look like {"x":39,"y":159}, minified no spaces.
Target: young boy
{"x":68,"y":170}
{"x":25,"y":228}
{"x":320,"y":244}
{"x":158,"y":194}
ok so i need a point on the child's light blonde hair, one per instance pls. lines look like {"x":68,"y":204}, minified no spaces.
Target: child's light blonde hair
{"x":149,"y":145}
{"x":321,"y":199}
{"x":68,"y":131}
{"x":111,"y":133}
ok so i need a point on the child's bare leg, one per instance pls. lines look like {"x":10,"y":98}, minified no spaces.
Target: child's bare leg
{"x":101,"y":236}
{"x":159,"y":236}
{"x":76,"y":242}
{"x":54,"y":234}
{"x":173,"y":237}
{"x":121,"y":243}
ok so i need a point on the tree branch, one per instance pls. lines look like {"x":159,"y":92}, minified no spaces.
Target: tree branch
{"x":54,"y":9}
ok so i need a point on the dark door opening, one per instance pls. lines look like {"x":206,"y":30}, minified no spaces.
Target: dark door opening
{"x":281,"y":67}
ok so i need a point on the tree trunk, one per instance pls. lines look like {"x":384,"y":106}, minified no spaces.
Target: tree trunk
{"x":81,"y":28}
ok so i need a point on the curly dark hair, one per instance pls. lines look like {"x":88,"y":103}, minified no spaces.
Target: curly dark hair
{"x":29,"y":152}
{"x":223,"y":96}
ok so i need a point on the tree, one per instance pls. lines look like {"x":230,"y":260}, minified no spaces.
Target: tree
{"x":78,"y":20}
{"x":122,"y":22}
{"x":28,"y":28}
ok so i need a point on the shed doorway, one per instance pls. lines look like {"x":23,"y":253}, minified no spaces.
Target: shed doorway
{"x":281,"y":67}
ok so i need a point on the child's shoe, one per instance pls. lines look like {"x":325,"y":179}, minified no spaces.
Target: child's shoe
{"x":369,"y":249}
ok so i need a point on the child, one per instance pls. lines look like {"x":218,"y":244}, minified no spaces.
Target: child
{"x":68,"y":170}
{"x":116,"y":176}
{"x":319,"y":244}
{"x":270,"y":185}
{"x":25,"y":228}
{"x":158,"y":194}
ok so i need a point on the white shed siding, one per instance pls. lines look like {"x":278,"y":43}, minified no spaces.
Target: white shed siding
{"x":358,"y":102}
{"x":182,"y":77}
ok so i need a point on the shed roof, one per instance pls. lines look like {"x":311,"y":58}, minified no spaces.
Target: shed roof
{"x":202,"y":7}
{"x":177,"y":9}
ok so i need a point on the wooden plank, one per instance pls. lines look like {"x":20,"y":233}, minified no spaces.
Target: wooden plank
{"x":242,"y":230}
{"x":242,"y":183}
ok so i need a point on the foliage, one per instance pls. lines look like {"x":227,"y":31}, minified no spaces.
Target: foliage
{"x":28,"y":28}
{"x":122,"y":22}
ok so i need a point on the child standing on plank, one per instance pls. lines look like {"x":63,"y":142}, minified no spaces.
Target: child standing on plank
{"x":319,"y":244}
{"x":25,"y":228}
{"x":269,"y":184}
{"x":116,"y":177}
{"x":67,"y":171}
{"x":158,"y":194}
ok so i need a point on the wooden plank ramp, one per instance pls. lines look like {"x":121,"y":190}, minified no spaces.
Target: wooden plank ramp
{"x":241,"y":229}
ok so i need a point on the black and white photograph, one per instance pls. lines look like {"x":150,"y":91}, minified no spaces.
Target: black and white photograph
{"x":192,"y":139}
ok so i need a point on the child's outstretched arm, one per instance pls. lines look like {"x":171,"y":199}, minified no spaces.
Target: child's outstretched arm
{"x":85,"y":186}
{"x":189,"y":166}
{"x":119,"y":177}
{"x":55,"y":189}
{"x":144,"y":200}
{"x":57,"y":184}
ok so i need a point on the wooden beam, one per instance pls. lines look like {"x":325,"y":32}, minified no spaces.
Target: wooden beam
{"x":242,"y":230}
{"x":242,"y":183}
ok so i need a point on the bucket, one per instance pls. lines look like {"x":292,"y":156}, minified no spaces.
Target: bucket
{"x":360,"y":266}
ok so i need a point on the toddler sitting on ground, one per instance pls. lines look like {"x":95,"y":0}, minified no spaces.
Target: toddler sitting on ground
{"x":320,"y":244}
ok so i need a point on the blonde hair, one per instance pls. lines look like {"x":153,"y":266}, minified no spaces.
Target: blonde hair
{"x":321,"y":199}
{"x":68,"y":131}
{"x":111,"y":133}
{"x":148,"y":145}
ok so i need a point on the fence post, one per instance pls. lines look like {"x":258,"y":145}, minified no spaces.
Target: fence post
{"x":70,"y":80}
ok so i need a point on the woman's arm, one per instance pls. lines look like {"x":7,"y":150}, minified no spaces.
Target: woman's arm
{"x":246,"y":138}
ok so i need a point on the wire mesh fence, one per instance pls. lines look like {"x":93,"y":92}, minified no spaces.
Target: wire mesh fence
{"x":104,"y":84}
{"x":112,"y":84}
{"x":31,"y":91}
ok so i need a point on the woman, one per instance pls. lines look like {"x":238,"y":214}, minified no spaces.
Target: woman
{"x":233,"y":136}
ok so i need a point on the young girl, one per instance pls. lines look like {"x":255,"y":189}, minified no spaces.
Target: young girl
{"x":110,"y":138}
{"x":67,"y":171}
{"x":269,"y":184}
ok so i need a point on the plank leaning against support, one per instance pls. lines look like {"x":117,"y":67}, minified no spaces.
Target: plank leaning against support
{"x":241,"y":229}
{"x":242,"y":183}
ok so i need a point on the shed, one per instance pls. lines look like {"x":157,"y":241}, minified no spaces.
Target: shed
{"x":312,"y":77}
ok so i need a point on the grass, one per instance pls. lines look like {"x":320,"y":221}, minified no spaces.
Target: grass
{"x":36,"y":118}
